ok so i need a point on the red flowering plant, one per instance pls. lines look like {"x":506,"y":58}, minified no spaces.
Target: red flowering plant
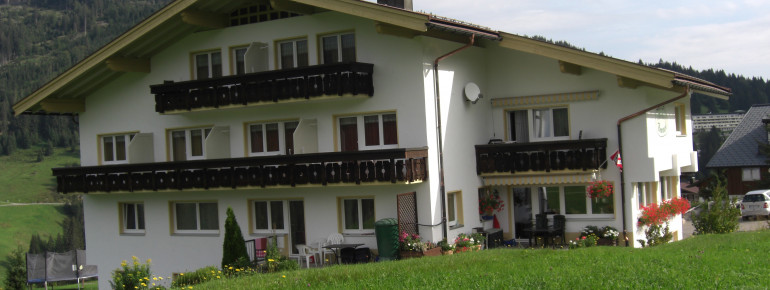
{"x":657,"y":215}
{"x":490,"y":203}
{"x":600,"y":188}
{"x":410,"y":242}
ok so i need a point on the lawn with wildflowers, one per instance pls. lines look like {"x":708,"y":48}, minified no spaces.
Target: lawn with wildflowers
{"x":737,"y":260}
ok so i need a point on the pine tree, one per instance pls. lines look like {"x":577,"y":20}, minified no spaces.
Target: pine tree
{"x":233,"y":248}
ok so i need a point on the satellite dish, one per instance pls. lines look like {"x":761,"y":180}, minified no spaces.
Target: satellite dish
{"x":472,"y":92}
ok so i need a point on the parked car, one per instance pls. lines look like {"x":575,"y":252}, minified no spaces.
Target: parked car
{"x":756,"y":203}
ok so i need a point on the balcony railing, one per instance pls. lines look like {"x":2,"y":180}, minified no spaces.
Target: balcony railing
{"x":316,"y":169}
{"x":541,"y":156}
{"x":265,"y":87}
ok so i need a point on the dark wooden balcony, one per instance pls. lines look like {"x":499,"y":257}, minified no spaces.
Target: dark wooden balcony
{"x":265,"y":87}
{"x":541,"y":156}
{"x":387,"y":166}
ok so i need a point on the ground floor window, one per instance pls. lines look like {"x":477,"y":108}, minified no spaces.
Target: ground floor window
{"x":357,"y":215}
{"x":132,"y":217}
{"x":455,"y":208}
{"x":572,"y":200}
{"x":195,"y":217}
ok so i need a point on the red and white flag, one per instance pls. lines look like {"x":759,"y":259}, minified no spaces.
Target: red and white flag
{"x":616,"y":158}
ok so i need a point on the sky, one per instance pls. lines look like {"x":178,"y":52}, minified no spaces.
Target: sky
{"x":733,"y":36}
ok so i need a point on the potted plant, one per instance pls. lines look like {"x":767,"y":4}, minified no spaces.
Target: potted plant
{"x":600,"y":189}
{"x":478,"y":240}
{"x":410,"y":245}
{"x":430,"y":249}
{"x":446,"y":247}
{"x":490,"y":203}
{"x":609,"y":236}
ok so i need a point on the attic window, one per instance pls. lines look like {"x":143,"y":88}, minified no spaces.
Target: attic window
{"x":256,"y":14}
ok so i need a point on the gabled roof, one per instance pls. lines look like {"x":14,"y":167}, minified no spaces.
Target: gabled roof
{"x":132,"y":50}
{"x":741,"y":149}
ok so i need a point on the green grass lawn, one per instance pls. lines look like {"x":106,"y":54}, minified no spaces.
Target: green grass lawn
{"x":24,"y":180}
{"x":737,"y":260}
{"x":18,"y":223}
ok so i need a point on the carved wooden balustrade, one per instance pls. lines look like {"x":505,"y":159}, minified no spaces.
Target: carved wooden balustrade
{"x":316,"y":169}
{"x":541,"y":156}
{"x":270,"y":86}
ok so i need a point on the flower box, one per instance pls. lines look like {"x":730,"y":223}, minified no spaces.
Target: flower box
{"x":607,"y":242}
{"x":410,"y":254}
{"x":447,"y":253}
{"x":432,"y":252}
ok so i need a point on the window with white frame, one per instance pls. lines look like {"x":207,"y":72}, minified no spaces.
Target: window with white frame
{"x":292,"y":53}
{"x":338,"y":48}
{"x":271,"y":138}
{"x":115,"y":148}
{"x":358,"y":215}
{"x":238,"y":55}
{"x":379,"y":131}
{"x":196,"y":217}
{"x":572,"y":200}
{"x":538,"y":124}
{"x":680,"y":118}
{"x":132,"y":216}
{"x":454,"y":208}
{"x":188,"y":144}
{"x":207,"y":65}
{"x":270,"y":216}
{"x":750,"y":174}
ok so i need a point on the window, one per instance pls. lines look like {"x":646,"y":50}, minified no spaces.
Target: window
{"x":188,"y":144}
{"x":572,"y":200}
{"x":207,"y":65}
{"x":644,"y":193}
{"x":195,"y":217}
{"x":338,"y":48}
{"x":750,"y":174}
{"x":358,"y":215}
{"x":541,"y":124}
{"x":666,"y":187}
{"x":379,"y":131}
{"x":455,"y":209}
{"x":132,"y":215}
{"x":115,"y":148}
{"x":679,"y":116}
{"x":270,"y":216}
{"x":238,"y":55}
{"x":271,"y":138}
{"x":292,"y":53}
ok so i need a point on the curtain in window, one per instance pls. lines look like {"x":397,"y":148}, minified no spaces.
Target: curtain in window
{"x":240,"y":61}
{"x":130,"y":216}
{"x":351,"y":214}
{"x":372,"y":130}
{"x":140,"y":216}
{"x":541,"y":123}
{"x":287,"y":54}
{"x":108,"y":151}
{"x":185,"y":216}
{"x":575,"y":200}
{"x":178,"y":145}
{"x":640,"y":194}
{"x":348,"y":134}
{"x":519,"y":126}
{"x":367,"y":212}
{"x":202,"y":66}
{"x":348,"y":47}
{"x":260,"y":214}
{"x":271,"y":135}
{"x":276,"y":215}
{"x":302,"y":56}
{"x":288,"y":133}
{"x":560,"y":122}
{"x":330,"y":49}
{"x":196,"y":142}
{"x":208,"y":216}
{"x":120,"y":148}
{"x":216,"y":64}
{"x":256,"y":138}
{"x":389,"y":129}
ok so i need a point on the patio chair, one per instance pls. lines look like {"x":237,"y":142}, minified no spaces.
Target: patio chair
{"x":333,"y":239}
{"x":303,"y":252}
{"x":559,"y":224}
{"x":541,"y":227}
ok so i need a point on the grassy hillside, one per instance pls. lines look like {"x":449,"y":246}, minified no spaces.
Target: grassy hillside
{"x":19,"y":223}
{"x":25,"y":180}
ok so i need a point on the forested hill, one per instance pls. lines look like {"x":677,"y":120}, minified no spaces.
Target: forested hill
{"x":39,"y":39}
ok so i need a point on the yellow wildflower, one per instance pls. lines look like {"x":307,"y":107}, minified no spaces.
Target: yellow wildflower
{"x":189,"y":287}
{"x":181,"y":274}
{"x":154,"y":278}
{"x":124,"y":263}
{"x":149,"y":261}
{"x":270,"y":260}
{"x":231,"y":267}
{"x":218,"y":277}
{"x":284,"y":276}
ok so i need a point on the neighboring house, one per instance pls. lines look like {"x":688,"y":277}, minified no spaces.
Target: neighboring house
{"x":740,"y":154}
{"x":317,"y":117}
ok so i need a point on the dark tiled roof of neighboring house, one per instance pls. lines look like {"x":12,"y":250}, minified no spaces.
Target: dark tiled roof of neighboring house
{"x":741,"y":148}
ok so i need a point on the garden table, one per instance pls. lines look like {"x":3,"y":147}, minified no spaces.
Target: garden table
{"x":336,"y":248}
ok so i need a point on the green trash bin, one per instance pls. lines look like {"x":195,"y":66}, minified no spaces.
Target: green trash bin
{"x":386,"y":231}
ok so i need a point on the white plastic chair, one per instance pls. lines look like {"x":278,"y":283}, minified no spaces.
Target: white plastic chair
{"x":316,"y":248}
{"x":333,"y":239}
{"x":304,"y":253}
